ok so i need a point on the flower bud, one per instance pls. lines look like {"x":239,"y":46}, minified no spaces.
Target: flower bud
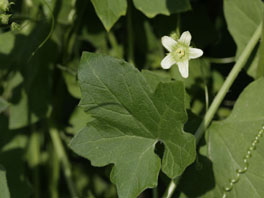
{"x":4,"y":18}
{"x":15,"y":26}
{"x":4,"y":5}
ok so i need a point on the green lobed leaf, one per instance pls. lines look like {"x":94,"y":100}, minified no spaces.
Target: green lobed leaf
{"x":72,"y":84}
{"x":243,"y":17}
{"x":109,"y":11}
{"x":130,"y":120}
{"x":260,"y":65}
{"x":78,"y":120}
{"x":153,"y":7}
{"x":154,"y":78}
{"x":229,"y":140}
{"x":3,"y":184}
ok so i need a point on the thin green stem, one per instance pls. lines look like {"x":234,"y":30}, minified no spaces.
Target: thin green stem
{"x":66,"y":69}
{"x":130,"y":49}
{"x":57,"y":143}
{"x":220,"y":96}
{"x":114,"y":44}
{"x":171,"y":188}
{"x":72,"y":33}
{"x":178,"y":28}
{"x":155,"y":193}
{"x":112,"y":40}
{"x":34,"y":153}
{"x":50,"y":32}
{"x":221,"y":60}
{"x":228,"y":82}
{"x":206,"y":94}
{"x":51,"y":27}
{"x":54,"y":178}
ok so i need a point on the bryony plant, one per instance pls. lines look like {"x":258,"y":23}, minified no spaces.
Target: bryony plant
{"x":180,"y":53}
{"x":5,"y":5}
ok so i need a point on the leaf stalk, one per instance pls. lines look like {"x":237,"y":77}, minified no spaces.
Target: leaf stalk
{"x":59,"y":149}
{"x":241,"y":61}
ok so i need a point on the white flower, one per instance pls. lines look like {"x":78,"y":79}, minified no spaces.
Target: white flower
{"x":180,"y":53}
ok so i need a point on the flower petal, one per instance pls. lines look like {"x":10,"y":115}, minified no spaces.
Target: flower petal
{"x":167,"y":62}
{"x":185,"y":38}
{"x":168,"y":42}
{"x":184,"y":68}
{"x":195,"y":53}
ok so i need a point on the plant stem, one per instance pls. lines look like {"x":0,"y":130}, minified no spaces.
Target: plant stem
{"x":112,"y":40}
{"x":54,"y":178}
{"x":171,"y":188}
{"x":220,"y":96}
{"x":155,"y":193}
{"x":206,"y":94}
{"x":64,"y":160}
{"x":221,"y":60}
{"x":228,"y":83}
{"x":130,"y":49}
{"x":114,"y":44}
{"x":52,"y":27}
{"x":34,"y":149}
{"x":178,"y":28}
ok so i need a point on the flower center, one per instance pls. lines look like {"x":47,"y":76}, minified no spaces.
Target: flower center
{"x":180,"y":52}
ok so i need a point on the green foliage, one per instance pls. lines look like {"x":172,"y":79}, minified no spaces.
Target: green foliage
{"x":243,"y":18}
{"x":130,"y":120}
{"x":4,"y":5}
{"x":260,"y":67}
{"x":12,"y":150}
{"x":72,"y":83}
{"x":97,"y":126}
{"x":3,"y":185}
{"x":153,"y":7}
{"x":3,"y":105}
{"x":78,"y":120}
{"x":230,"y":139}
{"x":7,"y":40}
{"x":109,"y":11}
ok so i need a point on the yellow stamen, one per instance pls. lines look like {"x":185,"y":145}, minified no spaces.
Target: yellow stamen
{"x":180,"y":52}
